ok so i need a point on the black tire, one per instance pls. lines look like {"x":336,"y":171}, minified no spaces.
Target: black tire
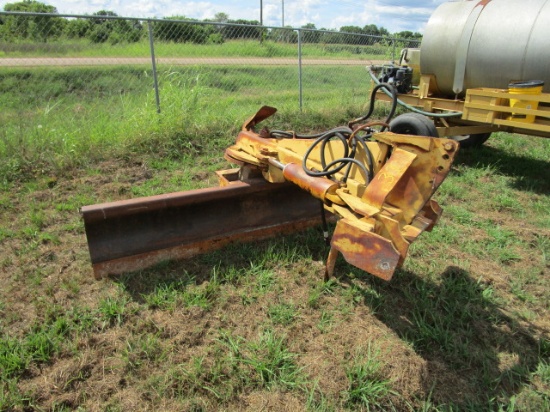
{"x":420,"y":125}
{"x":415,"y":124}
{"x":471,"y":140}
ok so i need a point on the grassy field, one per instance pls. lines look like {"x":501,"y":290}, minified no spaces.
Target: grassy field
{"x":59,"y":118}
{"x":232,"y":48}
{"x":464,"y":325}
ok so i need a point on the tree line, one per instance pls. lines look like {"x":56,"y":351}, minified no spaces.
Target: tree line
{"x":104,"y":27}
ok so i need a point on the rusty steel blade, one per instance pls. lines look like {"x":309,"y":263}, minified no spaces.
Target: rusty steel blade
{"x":134,"y":234}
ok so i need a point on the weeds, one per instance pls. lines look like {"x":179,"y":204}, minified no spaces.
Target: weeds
{"x":367,"y":386}
{"x":318,"y":291}
{"x":265,"y":362}
{"x":125,"y":121}
{"x":143,"y":348}
{"x":113,"y":310}
{"x":282,"y":314}
{"x":165,"y":296}
{"x":326,"y":320}
{"x":42,"y":342}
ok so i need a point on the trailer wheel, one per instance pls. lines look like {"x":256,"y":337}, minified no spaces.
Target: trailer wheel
{"x":415,"y":124}
{"x":471,"y":140}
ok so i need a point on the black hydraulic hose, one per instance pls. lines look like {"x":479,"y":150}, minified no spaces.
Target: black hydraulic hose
{"x":324,"y":142}
{"x":284,"y":133}
{"x":412,"y":108}
{"x":348,"y":137}
{"x":368,"y":154}
{"x":323,"y":139}
{"x":329,"y":169}
{"x":388,"y":87}
{"x":353,"y":145}
{"x":344,"y":161}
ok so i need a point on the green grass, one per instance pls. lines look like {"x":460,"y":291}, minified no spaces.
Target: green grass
{"x":42,"y":341}
{"x":233,"y":48}
{"x":282,"y":313}
{"x":57,"y":119}
{"x":463,"y":326}
{"x":367,"y":386}
{"x":267,"y":361}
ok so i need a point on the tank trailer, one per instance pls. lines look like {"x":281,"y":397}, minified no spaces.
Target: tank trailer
{"x":482,"y":67}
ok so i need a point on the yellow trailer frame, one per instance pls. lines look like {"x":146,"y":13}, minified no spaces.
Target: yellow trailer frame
{"x":483,"y":110}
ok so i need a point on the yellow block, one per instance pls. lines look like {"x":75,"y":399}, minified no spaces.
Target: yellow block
{"x":532,"y":87}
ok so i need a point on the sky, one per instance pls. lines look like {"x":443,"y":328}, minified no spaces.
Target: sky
{"x":394,"y":15}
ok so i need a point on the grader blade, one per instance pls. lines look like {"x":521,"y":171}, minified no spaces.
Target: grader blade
{"x":134,"y":234}
{"x":377,"y":183}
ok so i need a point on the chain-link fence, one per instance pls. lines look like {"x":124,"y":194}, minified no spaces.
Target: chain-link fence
{"x":72,"y":70}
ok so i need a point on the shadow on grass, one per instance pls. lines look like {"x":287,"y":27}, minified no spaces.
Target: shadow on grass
{"x":231,"y":264}
{"x":528,"y":174}
{"x":477,"y":355}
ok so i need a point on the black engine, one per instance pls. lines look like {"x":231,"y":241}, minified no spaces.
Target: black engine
{"x":400,"y":77}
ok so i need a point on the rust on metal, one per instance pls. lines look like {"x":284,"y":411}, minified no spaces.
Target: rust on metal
{"x":365,"y":249}
{"x":134,"y":234}
{"x":318,"y":187}
{"x":397,"y":199}
{"x":261,"y":115}
{"x":387,"y":178}
{"x":382,"y":198}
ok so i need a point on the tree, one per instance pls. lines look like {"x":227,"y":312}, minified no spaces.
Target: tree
{"x":311,"y":35}
{"x":352,"y":39}
{"x":408,"y":35}
{"x":176,"y":29}
{"x":101,"y":29}
{"x":221,"y":18}
{"x":112,"y":30}
{"x":236,"y":32}
{"x":383,"y":31}
{"x":77,"y":28}
{"x":30,"y":6}
{"x":374,"y":30}
{"x":31,"y":27}
{"x":284,"y":35}
{"x":352,"y":29}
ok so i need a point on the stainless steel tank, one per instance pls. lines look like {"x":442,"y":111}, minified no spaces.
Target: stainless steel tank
{"x":487,"y":43}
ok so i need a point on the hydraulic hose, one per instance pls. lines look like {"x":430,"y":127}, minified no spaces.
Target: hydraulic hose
{"x":388,"y":88}
{"x":412,"y":108}
{"x":349,"y":139}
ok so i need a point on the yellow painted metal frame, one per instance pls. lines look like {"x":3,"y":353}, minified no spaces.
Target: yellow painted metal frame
{"x":378,"y":219}
{"x":483,"y":110}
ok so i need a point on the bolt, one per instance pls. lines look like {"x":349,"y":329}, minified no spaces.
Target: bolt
{"x":449,"y":147}
{"x":384,"y":266}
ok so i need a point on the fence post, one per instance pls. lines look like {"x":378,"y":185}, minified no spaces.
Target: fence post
{"x":300,"y":66}
{"x":154,"y":64}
